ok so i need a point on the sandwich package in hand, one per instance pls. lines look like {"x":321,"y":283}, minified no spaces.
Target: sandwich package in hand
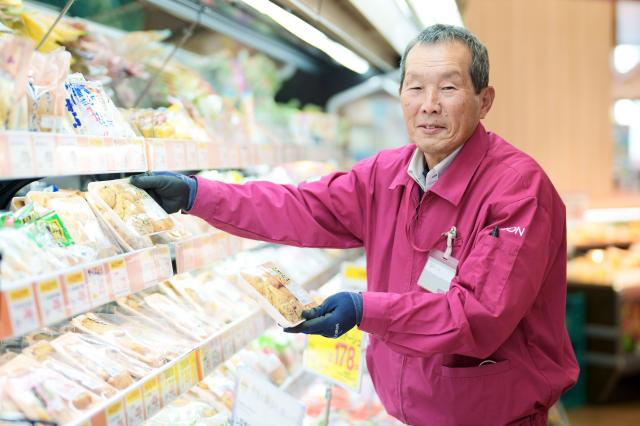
{"x":277,"y":294}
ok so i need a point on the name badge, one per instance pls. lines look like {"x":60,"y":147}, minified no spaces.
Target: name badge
{"x":438,"y":272}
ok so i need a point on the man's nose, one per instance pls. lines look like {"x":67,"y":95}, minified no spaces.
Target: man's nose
{"x":431,"y":102}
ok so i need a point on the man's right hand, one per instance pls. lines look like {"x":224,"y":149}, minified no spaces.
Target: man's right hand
{"x":173,"y":191}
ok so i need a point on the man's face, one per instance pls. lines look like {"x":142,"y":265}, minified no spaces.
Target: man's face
{"x":440,"y":106}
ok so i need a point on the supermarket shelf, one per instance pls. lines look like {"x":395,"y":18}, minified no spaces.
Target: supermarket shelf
{"x":199,"y":251}
{"x":623,"y":363}
{"x":34,"y":154}
{"x":47,"y":299}
{"x":144,"y":399}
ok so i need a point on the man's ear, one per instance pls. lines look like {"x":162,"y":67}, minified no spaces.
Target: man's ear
{"x":486,"y":100}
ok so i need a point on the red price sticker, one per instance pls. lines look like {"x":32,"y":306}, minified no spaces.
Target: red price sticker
{"x":339,"y":360}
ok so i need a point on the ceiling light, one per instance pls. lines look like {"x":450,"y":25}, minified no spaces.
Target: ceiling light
{"x":625,"y":57}
{"x":431,"y":12}
{"x":626,"y":112}
{"x":311,"y":35}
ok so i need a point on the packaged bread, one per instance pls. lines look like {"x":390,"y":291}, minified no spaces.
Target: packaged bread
{"x":80,"y":221}
{"x":41,"y":393}
{"x":132,"y":206}
{"x":182,"y":318}
{"x":22,"y":257}
{"x":281,"y":298}
{"x":101,"y":359}
{"x":48,"y":357}
{"x":178,"y":289}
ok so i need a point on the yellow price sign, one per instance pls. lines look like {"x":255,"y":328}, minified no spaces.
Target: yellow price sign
{"x":339,"y":360}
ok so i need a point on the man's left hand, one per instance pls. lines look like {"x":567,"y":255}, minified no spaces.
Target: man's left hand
{"x":334,"y":317}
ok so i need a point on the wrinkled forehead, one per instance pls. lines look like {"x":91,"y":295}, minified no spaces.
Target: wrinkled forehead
{"x":447,"y":58}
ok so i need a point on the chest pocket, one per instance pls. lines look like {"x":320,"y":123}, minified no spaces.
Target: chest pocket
{"x":488,"y":267}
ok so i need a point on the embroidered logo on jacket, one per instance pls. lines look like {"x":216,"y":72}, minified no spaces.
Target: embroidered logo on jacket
{"x":515,"y":230}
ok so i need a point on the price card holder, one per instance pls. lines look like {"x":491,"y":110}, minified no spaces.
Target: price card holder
{"x":50,"y":301}
{"x":258,"y":402}
{"x":97,"y":154}
{"x":188,"y":371}
{"x":20,"y":155}
{"x":66,"y":154}
{"x":177,"y":155}
{"x":338,"y":360}
{"x":76,"y":292}
{"x":169,"y":385}
{"x":119,"y":278}
{"x":191,"y":148}
{"x":149,"y":272}
{"x":181,"y":257}
{"x":210,"y":357}
{"x":98,"y":282}
{"x":135,"y":407}
{"x":157,"y":153}
{"x":20,"y":307}
{"x":134,"y":272}
{"x":162,"y":257}
{"x":152,"y":398}
{"x":5,"y":164}
{"x":44,"y":146}
{"x":227,"y":343}
{"x":134,"y":154}
{"x":116,"y":414}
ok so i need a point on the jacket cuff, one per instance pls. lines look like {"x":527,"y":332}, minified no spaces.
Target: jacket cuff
{"x":203,"y":199}
{"x":375,"y":314}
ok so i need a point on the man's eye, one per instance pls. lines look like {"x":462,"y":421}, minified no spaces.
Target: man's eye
{"x":448,"y":88}
{"x":415,"y":88}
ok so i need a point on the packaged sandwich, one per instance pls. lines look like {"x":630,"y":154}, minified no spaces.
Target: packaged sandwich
{"x":41,"y":393}
{"x":22,"y":257}
{"x":48,"y":357}
{"x":281,"y":298}
{"x":80,"y":221}
{"x":179,"y":289}
{"x":133,"y":206}
{"x":101,"y":359}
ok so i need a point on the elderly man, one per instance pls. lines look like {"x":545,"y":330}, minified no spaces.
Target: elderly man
{"x":465,"y":241}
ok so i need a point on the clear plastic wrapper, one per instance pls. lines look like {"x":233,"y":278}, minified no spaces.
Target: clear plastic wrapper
{"x":41,"y":393}
{"x":79,"y":219}
{"x":186,"y":411}
{"x":281,"y":298}
{"x":15,"y":54}
{"x":179,"y":289}
{"x":90,"y":110}
{"x":48,"y":357}
{"x":173,"y":122}
{"x":46,"y":93}
{"x":101,"y":359}
{"x":22,"y":257}
{"x":133,"y":206}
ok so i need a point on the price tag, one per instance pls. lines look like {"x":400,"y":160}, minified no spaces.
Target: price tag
{"x":22,"y":310}
{"x":66,"y":155}
{"x":211,"y":357}
{"x":20,"y":156}
{"x":178,"y":159}
{"x":258,"y":402}
{"x":228,"y":345}
{"x":119,"y":278}
{"x":135,"y":158}
{"x":116,"y":415}
{"x":149,"y":273}
{"x":354,"y":276}
{"x":203,"y":155}
{"x":97,"y":155}
{"x":163,"y":263}
{"x":44,"y":146}
{"x":339,"y":360}
{"x":159,"y":155}
{"x":188,"y":368}
{"x":135,"y":408}
{"x":77,"y":292}
{"x":51,"y":301}
{"x":134,"y":272}
{"x":169,"y":386}
{"x":151,"y":393}
{"x":97,"y":278}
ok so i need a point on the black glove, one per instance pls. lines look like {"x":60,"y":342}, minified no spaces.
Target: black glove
{"x":337,"y":315}
{"x":173,"y":191}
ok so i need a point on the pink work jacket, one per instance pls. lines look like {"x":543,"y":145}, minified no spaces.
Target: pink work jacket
{"x":505,"y":304}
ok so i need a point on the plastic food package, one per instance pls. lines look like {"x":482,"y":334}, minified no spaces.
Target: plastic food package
{"x":181,"y":317}
{"x":79,"y":219}
{"x":43,"y":394}
{"x":91,"y":112}
{"x":46,"y":91}
{"x":180,"y":288}
{"x":22,"y":257}
{"x":15,"y":54}
{"x":187,"y":412}
{"x":140,"y":213}
{"x":101,"y":359}
{"x":281,"y":298}
{"x":173,"y":122}
{"x":46,"y":355}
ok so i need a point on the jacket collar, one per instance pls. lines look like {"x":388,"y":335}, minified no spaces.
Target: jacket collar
{"x":453,"y":184}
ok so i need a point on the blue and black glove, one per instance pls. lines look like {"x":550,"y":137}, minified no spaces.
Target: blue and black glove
{"x":334,"y":317}
{"x":173,"y":191}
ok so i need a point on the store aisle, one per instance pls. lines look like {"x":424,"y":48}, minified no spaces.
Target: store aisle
{"x":621,"y":414}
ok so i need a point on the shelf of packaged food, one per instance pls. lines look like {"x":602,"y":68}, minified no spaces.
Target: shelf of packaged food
{"x":199,"y":251}
{"x":47,"y":299}
{"x":35,"y":154}
{"x":145,"y":398}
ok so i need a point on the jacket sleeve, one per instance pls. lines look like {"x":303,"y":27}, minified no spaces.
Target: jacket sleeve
{"x":328,"y":212}
{"x":492,"y":291}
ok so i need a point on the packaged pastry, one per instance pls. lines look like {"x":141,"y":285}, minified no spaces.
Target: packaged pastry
{"x":181,"y":317}
{"x":41,"y":393}
{"x":178,"y":288}
{"x":46,"y":93}
{"x":281,"y":298}
{"x":48,"y":357}
{"x":101,"y":359}
{"x":80,"y":221}
{"x":15,"y":54}
{"x":133,"y":206}
{"x":22,"y":257}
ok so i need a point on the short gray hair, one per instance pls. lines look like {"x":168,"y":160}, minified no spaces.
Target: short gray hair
{"x":440,"y":33}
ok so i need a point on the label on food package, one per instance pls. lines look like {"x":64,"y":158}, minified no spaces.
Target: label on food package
{"x":151,"y":393}
{"x":51,"y":301}
{"x":135,"y":408}
{"x":119,"y":278}
{"x":22,"y":310}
